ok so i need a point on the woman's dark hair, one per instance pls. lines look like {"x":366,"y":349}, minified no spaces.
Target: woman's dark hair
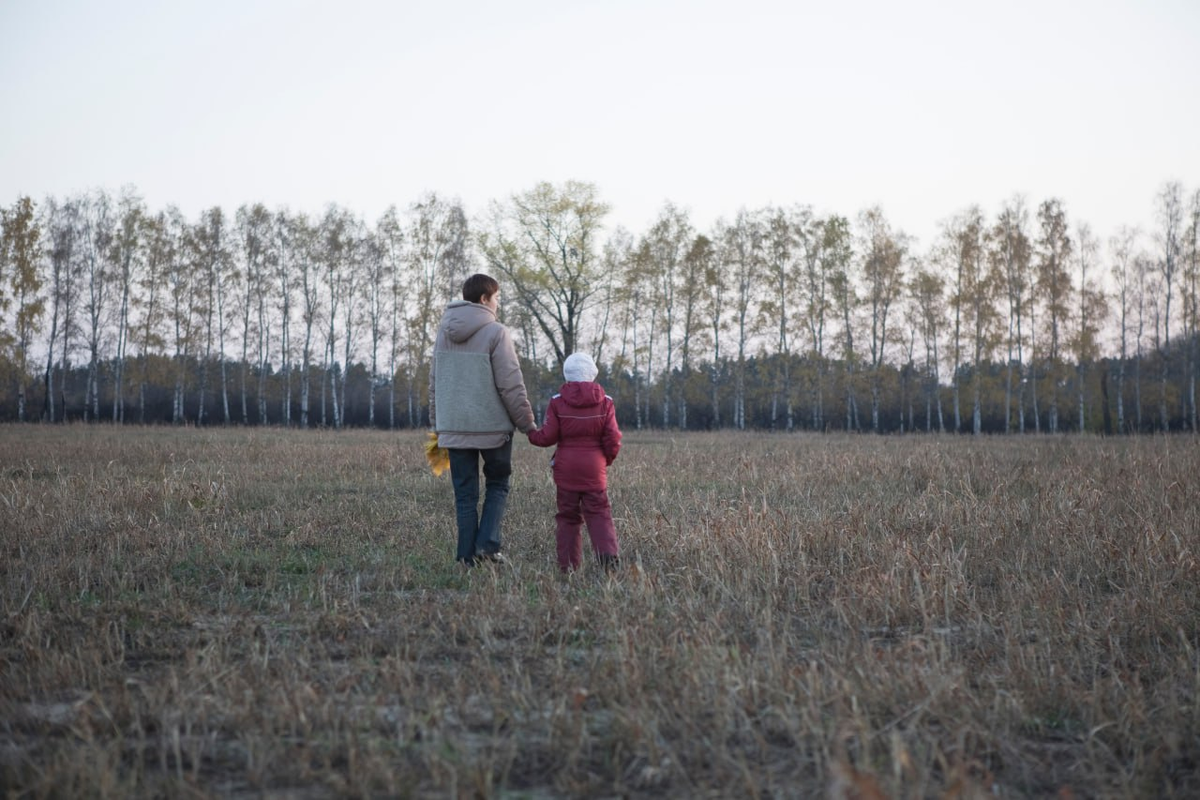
{"x":476,"y":286}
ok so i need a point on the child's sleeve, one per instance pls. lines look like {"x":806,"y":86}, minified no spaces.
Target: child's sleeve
{"x":611,"y":438}
{"x":547,"y":435}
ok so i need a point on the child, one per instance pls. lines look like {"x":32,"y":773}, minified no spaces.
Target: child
{"x":582,"y":421}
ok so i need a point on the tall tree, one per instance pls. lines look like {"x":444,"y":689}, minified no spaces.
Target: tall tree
{"x":185,"y":290}
{"x":544,"y":243}
{"x":62,"y":224}
{"x":438,"y":251}
{"x":96,"y":238}
{"x":305,"y":247}
{"x":1121,"y":250}
{"x":288,"y":253}
{"x":984,"y":278}
{"x":335,"y":245}
{"x":641,"y":293}
{"x":742,"y":253}
{"x":127,"y":262}
{"x":1090,"y":313}
{"x":780,"y":269}
{"x":379,"y":299}
{"x":1191,"y":278}
{"x":1055,"y":288}
{"x":883,"y":256}
{"x":355,"y":283}
{"x":1169,"y":211}
{"x":631,"y":312}
{"x":1012,"y":250}
{"x":838,"y":249}
{"x":256,"y":238}
{"x":389,"y":239}
{"x":159,"y":249}
{"x":667,"y":242}
{"x":699,"y":264}
{"x":815,"y":307}
{"x":963,"y":251}
{"x":927,"y":290}
{"x":20,"y":255}
{"x":715,"y":307}
{"x":615,"y":259}
{"x":1145,"y":303}
{"x":210,"y":245}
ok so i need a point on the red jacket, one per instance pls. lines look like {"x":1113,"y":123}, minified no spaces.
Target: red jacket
{"x":582,"y":421}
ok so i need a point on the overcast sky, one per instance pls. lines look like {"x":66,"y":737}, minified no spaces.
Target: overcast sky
{"x":921,"y":107}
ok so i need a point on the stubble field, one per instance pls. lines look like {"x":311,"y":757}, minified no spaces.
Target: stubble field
{"x":276,"y":614}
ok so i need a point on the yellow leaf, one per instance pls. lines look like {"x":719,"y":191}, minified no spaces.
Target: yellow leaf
{"x":438,"y":457}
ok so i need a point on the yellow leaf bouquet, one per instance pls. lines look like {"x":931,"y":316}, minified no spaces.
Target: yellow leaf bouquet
{"x":438,"y":457}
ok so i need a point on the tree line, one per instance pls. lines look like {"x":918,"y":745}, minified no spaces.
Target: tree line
{"x":777,"y":318}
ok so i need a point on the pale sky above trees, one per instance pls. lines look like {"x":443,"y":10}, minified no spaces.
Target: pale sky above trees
{"x":923,"y":108}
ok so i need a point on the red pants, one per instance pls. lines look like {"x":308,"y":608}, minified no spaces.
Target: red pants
{"x":573,"y":508}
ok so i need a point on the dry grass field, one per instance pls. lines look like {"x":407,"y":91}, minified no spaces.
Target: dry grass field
{"x":256,"y":613}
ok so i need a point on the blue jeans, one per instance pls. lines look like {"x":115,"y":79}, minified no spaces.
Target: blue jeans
{"x":479,"y":533}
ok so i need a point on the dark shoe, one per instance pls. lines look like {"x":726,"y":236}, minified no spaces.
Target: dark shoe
{"x":610,"y":563}
{"x":491,"y":558}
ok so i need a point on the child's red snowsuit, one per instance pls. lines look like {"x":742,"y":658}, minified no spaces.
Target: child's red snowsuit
{"x":582,"y":421}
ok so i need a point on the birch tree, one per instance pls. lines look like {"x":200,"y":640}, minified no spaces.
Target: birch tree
{"x":716,"y":298}
{"x":1145,"y":301}
{"x":667,"y":242}
{"x":160,"y":253}
{"x":352,"y":313}
{"x":614,"y":258}
{"x":61,"y":221}
{"x":389,"y":235}
{"x":545,"y":244}
{"x":1169,"y":212}
{"x":699,"y":264}
{"x":927,"y":291}
{"x":96,"y":238}
{"x":780,"y":271}
{"x":645,"y":319}
{"x":127,"y":260}
{"x":742,"y":253}
{"x":1122,"y":271}
{"x":210,"y":249}
{"x":883,"y":256}
{"x":288,"y":254}
{"x":1012,"y":251}
{"x":20,"y":254}
{"x":1090,"y":312}
{"x":381,"y":258}
{"x":304,"y":247}
{"x":1054,"y":287}
{"x":815,"y":307}
{"x":438,"y":243}
{"x":185,"y":290}
{"x":838,"y":248}
{"x":618,"y":257}
{"x":255,"y":236}
{"x":979,"y":276}
{"x":963,"y":250}
{"x":334,"y":247}
{"x":1191,"y":277}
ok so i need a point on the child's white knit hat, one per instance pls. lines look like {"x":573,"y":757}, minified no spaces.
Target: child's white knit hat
{"x":579,"y":367}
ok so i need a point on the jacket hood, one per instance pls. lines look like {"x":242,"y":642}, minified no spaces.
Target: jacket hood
{"x":463,"y":319}
{"x":582,"y":394}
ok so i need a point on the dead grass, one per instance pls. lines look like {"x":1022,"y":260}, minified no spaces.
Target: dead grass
{"x":267,"y":613}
